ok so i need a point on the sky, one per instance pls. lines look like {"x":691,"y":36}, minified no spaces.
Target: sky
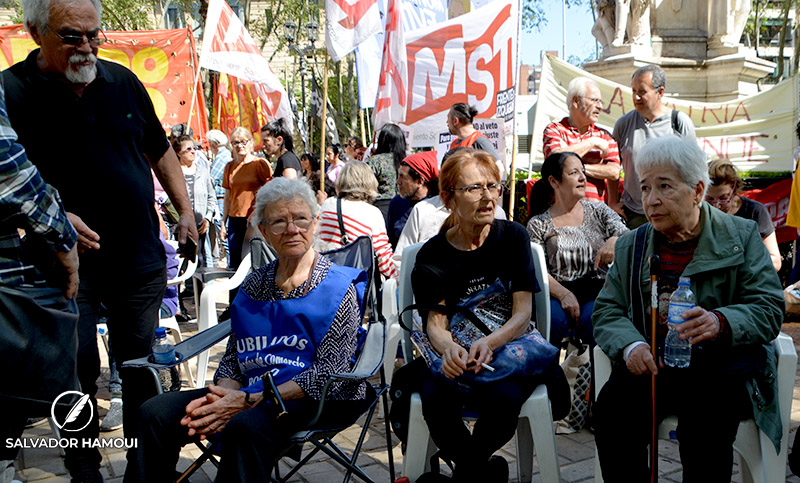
{"x":580,"y":41}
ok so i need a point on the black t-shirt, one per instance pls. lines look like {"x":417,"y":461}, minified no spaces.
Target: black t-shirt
{"x":288,"y":160}
{"x":753,"y":210}
{"x":94,"y":149}
{"x":505,"y":254}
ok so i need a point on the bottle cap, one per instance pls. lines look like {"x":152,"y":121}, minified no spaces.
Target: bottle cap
{"x":684,"y":281}
{"x":161,"y":332}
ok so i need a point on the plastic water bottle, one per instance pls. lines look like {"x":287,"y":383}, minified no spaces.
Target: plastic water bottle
{"x":677,"y":351}
{"x":163,"y":350}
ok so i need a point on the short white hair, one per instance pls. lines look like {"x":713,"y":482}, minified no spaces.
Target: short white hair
{"x":36,"y":13}
{"x":283,"y":189}
{"x":683,"y":155}
{"x":577,"y":87}
{"x":217,"y":137}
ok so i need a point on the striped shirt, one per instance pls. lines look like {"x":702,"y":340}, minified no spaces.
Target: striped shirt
{"x":360,"y":218}
{"x":560,"y":135}
{"x":27,"y":202}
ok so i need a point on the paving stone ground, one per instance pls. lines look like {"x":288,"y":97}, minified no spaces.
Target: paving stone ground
{"x":576,"y":451}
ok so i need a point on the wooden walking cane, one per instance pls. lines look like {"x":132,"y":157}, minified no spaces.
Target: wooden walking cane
{"x":655,"y":263}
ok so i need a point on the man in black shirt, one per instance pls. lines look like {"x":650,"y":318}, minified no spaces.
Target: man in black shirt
{"x":90,"y":128}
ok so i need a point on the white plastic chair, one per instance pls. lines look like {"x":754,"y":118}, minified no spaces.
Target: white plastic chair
{"x":759,"y":463}
{"x":535,"y":426}
{"x":172,"y":323}
{"x":393,"y":330}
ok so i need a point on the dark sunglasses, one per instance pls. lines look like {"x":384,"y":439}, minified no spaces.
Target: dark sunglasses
{"x":95,"y":38}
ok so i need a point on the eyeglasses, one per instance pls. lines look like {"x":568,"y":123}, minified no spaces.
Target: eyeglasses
{"x":240,"y":143}
{"x":594,"y":100}
{"x":475,"y":191}
{"x":189,"y":149}
{"x":278,"y":226}
{"x":95,"y":38}
{"x":725,"y":202}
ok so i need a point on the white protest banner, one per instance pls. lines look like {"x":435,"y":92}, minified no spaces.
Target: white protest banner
{"x":471,"y":58}
{"x":347,"y":25}
{"x":755,"y":132}
{"x":492,"y":128}
{"x":229,"y":48}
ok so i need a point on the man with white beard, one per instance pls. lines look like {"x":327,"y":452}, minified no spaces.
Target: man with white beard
{"x":90,"y":128}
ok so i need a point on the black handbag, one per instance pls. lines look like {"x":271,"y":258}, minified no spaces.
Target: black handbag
{"x":38,"y":346}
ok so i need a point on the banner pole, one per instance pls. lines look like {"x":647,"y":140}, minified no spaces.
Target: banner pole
{"x":194,"y":87}
{"x":324,"y":125}
{"x":512,"y":176}
{"x":363,"y":128}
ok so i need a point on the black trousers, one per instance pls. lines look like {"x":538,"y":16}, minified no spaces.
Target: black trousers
{"x":709,"y":405}
{"x":248,"y":446}
{"x":133,"y":305}
{"x":497,"y":406}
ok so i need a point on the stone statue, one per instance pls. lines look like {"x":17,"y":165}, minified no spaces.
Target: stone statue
{"x":727,"y":21}
{"x":616,"y":18}
{"x":603,"y":29}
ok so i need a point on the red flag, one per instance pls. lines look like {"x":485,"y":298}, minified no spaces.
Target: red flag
{"x":393,"y":85}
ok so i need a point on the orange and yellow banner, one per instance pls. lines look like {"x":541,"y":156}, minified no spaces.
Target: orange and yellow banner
{"x":165,"y":61}
{"x":237,"y":103}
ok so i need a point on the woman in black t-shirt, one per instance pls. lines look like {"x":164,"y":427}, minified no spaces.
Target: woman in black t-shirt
{"x":723,"y":193}
{"x":470,"y":253}
{"x":277,"y":139}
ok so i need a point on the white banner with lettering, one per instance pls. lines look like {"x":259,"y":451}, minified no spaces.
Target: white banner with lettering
{"x":472,"y":59}
{"x":757,"y":133}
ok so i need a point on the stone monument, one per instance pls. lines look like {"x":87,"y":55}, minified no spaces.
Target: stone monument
{"x":696,"y":42}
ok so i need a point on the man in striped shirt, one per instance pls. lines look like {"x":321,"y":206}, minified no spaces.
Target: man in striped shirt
{"x":579,"y":134}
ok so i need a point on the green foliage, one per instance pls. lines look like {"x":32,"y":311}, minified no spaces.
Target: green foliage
{"x":14,"y":5}
{"x":127,"y":14}
{"x":533,"y":11}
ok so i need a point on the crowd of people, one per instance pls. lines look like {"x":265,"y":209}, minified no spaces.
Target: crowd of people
{"x":593,"y":229}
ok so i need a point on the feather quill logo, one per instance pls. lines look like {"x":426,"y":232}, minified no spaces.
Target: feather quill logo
{"x":76,"y":414}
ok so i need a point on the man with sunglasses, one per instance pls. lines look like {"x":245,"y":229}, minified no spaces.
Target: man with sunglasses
{"x":90,"y":128}
{"x":579,"y":134}
{"x":651,"y":119}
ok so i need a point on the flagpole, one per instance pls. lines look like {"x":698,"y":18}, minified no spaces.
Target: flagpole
{"x":363,"y":128}
{"x":324,"y":125}
{"x":511,"y":176}
{"x":194,"y":89}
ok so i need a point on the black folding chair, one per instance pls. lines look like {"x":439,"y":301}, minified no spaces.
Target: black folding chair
{"x":369,"y":362}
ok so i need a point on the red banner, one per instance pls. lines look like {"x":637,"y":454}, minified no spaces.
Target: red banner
{"x":236,"y":103}
{"x":165,"y":61}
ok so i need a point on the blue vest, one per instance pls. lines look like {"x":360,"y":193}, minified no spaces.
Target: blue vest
{"x":282,"y":336}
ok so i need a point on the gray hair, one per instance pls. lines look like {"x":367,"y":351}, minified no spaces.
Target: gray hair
{"x":36,"y":13}
{"x":242,"y":131}
{"x":683,"y":155}
{"x":283,"y":189}
{"x":217,"y":137}
{"x":659,"y":77}
{"x":577,"y":88}
{"x":357,"y":182}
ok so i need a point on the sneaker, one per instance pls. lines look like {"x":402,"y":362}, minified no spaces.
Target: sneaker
{"x":113,"y":419}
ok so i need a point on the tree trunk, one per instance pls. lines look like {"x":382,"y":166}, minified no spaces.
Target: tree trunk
{"x":796,"y":34}
{"x":787,"y":4}
{"x":757,"y":26}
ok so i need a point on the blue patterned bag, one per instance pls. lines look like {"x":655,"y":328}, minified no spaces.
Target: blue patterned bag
{"x":475,"y":317}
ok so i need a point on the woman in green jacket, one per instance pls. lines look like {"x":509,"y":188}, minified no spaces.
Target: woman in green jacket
{"x":739,"y":311}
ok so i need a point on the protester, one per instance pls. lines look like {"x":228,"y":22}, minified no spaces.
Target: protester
{"x":312,"y":174}
{"x":427,"y":217}
{"x":578,"y":133}
{"x":417,"y":179}
{"x":30,"y":204}
{"x":299,"y":280}
{"x":355,"y":148}
{"x":106,"y":187}
{"x":334,"y":164}
{"x":650,"y":119}
{"x":578,"y":238}
{"x":277,"y":139}
{"x":724,"y":194}
{"x":460,"y":123}
{"x":739,"y":311}
{"x":201,"y":194}
{"x":355,"y":190}
{"x":467,"y":256}
{"x":183,"y":129}
{"x":243,"y":176}
{"x":384,"y":161}
{"x":218,"y":143}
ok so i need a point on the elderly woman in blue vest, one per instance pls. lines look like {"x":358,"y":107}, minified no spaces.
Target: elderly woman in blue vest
{"x":739,"y":310}
{"x":297,"y":317}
